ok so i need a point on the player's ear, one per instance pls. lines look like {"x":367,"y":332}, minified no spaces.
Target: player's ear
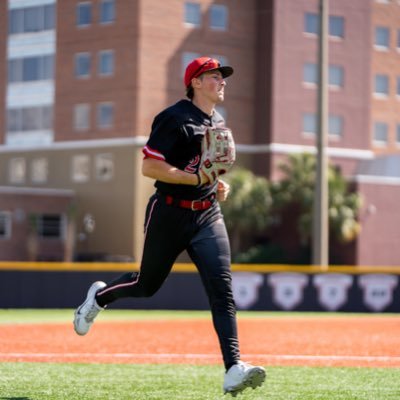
{"x":196,"y":82}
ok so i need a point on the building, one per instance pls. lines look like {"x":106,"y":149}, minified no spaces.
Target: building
{"x":80,"y":82}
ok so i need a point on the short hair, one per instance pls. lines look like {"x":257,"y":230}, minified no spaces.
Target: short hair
{"x":190,"y":92}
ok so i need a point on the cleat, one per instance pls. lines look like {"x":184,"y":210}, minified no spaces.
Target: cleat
{"x":86,"y":313}
{"x":241,"y":376}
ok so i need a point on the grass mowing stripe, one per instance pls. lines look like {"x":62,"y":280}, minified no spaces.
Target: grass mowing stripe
{"x":39,"y":381}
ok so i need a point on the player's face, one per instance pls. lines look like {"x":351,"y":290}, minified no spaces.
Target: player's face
{"x":213,"y":85}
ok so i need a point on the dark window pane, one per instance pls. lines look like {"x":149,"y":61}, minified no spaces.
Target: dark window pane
{"x":31,"y":69}
{"x":33,"y":19}
{"x":49,"y":17}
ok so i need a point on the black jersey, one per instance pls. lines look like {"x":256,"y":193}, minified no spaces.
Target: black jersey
{"x":175,"y":137}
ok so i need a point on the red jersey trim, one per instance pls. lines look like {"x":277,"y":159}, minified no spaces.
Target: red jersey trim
{"x":151,"y":153}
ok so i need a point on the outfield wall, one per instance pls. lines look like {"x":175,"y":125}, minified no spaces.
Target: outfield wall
{"x":256,"y":287}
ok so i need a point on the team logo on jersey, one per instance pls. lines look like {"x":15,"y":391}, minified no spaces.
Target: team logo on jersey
{"x":192,"y":166}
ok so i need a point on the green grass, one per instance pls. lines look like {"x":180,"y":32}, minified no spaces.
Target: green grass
{"x":39,"y":381}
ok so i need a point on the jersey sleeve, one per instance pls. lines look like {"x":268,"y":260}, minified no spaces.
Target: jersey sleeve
{"x":163,"y":137}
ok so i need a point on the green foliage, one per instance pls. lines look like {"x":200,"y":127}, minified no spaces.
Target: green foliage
{"x":271,"y":253}
{"x":297,"y":187}
{"x":247,"y":211}
{"x":249,"y":204}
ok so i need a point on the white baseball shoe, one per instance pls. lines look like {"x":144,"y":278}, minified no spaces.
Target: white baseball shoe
{"x":241,"y":376}
{"x":86,"y":313}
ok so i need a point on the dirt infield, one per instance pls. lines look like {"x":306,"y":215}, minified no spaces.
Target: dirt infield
{"x":328,"y":341}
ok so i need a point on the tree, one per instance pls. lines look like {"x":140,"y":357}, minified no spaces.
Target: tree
{"x":297,"y":188}
{"x":247,"y":210}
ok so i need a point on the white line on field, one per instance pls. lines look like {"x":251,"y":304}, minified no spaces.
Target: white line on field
{"x":198,"y":356}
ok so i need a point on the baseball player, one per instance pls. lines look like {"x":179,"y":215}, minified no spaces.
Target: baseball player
{"x":184,"y":214}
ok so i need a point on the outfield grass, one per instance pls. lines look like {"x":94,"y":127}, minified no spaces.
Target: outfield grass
{"x":45,"y":381}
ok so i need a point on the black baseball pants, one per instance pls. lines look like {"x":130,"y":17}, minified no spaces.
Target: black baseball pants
{"x":169,"y":230}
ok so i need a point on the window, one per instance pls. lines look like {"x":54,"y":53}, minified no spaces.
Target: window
{"x":398,"y":134}
{"x":310,"y":74}
{"x":104,"y":167}
{"x":31,"y":19}
{"x":336,"y":76}
{"x":382,"y":37}
{"x":105,"y":115}
{"x":5,"y":224}
{"x":106,"y":63}
{"x":17,"y":170}
{"x":311,"y":23}
{"x":83,"y":14}
{"x":31,"y":69}
{"x":381,"y":85}
{"x":398,"y":86}
{"x":49,"y":17}
{"x":192,"y":14}
{"x":309,"y":123}
{"x":39,"y":170}
{"x":380,"y":133}
{"x":15,"y":21}
{"x":50,"y":226}
{"x":336,"y":25}
{"x":107,"y":11}
{"x":335,"y":125}
{"x":80,"y":168}
{"x":29,"y":119}
{"x":82,"y":65}
{"x":82,"y":117}
{"x":398,"y":39}
{"x":218,"y":17}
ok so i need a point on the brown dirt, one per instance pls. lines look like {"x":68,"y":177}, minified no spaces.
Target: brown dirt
{"x":336,"y":341}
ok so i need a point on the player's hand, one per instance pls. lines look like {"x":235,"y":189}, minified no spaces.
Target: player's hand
{"x":222,"y":190}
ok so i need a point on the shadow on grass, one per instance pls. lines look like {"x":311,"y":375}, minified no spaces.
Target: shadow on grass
{"x":15,"y":398}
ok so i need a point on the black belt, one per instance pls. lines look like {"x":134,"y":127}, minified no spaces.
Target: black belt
{"x":194,"y":205}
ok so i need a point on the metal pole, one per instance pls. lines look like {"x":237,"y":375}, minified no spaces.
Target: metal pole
{"x":320,"y":217}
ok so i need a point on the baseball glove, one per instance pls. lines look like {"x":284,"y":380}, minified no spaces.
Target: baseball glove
{"x":217,"y":153}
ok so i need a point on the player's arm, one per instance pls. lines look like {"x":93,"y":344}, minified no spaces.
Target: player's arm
{"x":160,"y":170}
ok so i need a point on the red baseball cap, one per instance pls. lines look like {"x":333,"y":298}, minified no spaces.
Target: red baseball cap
{"x":204,"y":64}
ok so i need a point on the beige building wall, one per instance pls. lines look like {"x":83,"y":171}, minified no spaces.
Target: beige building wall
{"x":108,"y":187}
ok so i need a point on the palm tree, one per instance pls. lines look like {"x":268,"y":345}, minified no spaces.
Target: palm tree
{"x":297,"y":187}
{"x":247,"y":210}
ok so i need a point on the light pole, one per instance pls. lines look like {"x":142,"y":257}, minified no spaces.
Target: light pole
{"x":320,"y":248}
